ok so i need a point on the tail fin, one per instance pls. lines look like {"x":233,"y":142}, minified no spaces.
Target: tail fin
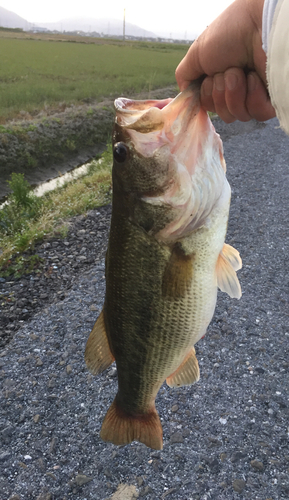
{"x":121,"y":428}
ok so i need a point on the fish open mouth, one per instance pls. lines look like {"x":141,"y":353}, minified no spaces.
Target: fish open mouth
{"x":132,"y":107}
{"x":153,"y":115}
{"x":141,"y":116}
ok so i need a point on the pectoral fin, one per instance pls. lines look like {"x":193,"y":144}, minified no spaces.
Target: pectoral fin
{"x":98,"y":355}
{"x":233,"y":256}
{"x":178,"y":274}
{"x":229,"y":261}
{"x":187,"y":373}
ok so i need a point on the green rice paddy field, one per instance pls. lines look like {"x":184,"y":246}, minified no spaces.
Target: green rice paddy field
{"x":42,"y":72}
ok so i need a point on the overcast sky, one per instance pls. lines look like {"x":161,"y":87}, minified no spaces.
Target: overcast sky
{"x":187,"y":17}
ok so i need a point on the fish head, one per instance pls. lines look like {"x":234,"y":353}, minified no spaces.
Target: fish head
{"x":168,"y":167}
{"x":140,"y":155}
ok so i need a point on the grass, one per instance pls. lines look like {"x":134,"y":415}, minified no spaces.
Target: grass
{"x":25,"y":220}
{"x":38,"y":74}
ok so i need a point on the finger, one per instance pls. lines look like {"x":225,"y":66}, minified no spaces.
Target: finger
{"x":206,"y":94}
{"x":258,"y":101}
{"x":235,"y":93}
{"x":219,"y":98}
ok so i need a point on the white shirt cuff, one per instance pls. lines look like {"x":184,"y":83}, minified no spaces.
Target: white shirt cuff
{"x":267,"y":20}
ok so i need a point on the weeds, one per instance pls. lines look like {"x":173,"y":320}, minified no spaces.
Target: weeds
{"x":22,"y":265}
{"x":20,"y":190}
{"x":27,"y":219}
{"x":23,"y":206}
{"x":70,"y":144}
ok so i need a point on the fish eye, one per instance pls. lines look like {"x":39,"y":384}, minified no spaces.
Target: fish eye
{"x":120,"y":152}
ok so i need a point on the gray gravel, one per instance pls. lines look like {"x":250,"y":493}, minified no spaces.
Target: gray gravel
{"x":225,"y":437}
{"x":62,"y":263}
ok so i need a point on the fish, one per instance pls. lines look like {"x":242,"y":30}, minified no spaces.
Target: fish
{"x":166,"y":257}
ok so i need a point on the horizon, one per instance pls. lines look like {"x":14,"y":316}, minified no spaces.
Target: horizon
{"x":185,"y":23}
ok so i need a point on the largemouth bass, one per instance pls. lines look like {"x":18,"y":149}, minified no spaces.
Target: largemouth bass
{"x":166,"y":257}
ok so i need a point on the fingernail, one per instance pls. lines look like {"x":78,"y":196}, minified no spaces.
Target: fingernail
{"x":251,"y":83}
{"x":207,"y":87}
{"x":219,"y":82}
{"x":231,"y":81}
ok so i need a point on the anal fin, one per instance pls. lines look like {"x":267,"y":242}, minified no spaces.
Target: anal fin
{"x":98,"y":355}
{"x":229,"y":261}
{"x":187,"y":373}
{"x":121,"y":428}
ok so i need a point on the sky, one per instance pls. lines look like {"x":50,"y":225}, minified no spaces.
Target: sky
{"x":189,"y":18}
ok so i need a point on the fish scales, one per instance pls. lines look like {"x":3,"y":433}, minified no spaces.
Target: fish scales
{"x":166,"y":257}
{"x":153,"y":335}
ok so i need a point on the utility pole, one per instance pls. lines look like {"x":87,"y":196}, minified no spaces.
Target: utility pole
{"x":124,"y":24}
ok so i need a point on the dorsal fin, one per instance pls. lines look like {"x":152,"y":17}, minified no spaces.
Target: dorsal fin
{"x":98,"y":355}
{"x":187,"y":373}
{"x":228,"y":262}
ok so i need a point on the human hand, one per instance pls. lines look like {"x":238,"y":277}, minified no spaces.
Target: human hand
{"x":230,"y":52}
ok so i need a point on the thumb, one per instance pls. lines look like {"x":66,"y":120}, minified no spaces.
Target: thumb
{"x":189,"y":68}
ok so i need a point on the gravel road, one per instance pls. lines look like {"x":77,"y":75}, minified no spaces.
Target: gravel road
{"x":225,"y":437}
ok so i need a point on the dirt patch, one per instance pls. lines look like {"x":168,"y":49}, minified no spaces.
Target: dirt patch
{"x":53,"y":143}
